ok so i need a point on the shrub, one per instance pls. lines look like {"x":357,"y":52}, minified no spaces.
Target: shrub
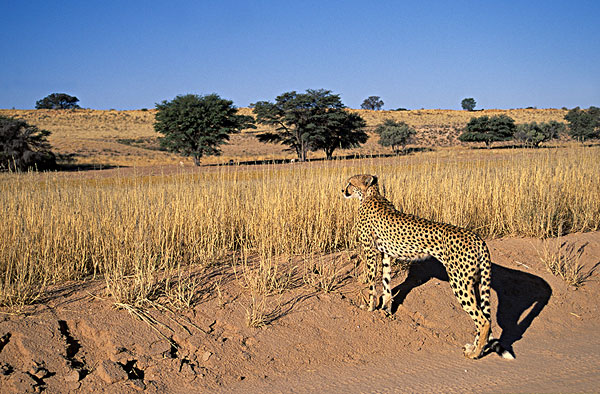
{"x":489,"y":129}
{"x":23,"y":146}
{"x":533,"y":134}
{"x":584,"y":124}
{"x":394,"y":134}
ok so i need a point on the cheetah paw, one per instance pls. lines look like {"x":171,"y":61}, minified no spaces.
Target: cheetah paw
{"x":469,"y":351}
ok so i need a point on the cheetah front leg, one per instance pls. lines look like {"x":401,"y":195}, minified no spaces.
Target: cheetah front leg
{"x":372,"y":267}
{"x":371,"y":260}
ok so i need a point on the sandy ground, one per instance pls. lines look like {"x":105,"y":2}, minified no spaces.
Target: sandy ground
{"x":76,"y":340}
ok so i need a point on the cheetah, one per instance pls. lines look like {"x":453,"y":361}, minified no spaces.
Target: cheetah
{"x":386,"y":232}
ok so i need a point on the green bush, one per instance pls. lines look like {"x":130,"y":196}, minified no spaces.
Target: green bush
{"x":395,"y":134}
{"x":489,"y":129}
{"x":533,"y":134}
{"x":584,"y":124}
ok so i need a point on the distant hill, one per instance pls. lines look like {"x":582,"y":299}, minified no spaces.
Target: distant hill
{"x":127,"y":138}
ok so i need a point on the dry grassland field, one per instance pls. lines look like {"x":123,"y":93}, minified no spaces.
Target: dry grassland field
{"x":163,"y":277}
{"x":127,"y":138}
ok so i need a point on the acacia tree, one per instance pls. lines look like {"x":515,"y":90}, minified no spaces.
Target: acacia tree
{"x":584,"y":124}
{"x":57,"y":101}
{"x":308,"y":121}
{"x":196,"y":126}
{"x":23,"y":146}
{"x":395,"y":134}
{"x":373,"y":103}
{"x":489,"y":129}
{"x":338,"y":128}
{"x":468,"y":104}
{"x":533,"y":134}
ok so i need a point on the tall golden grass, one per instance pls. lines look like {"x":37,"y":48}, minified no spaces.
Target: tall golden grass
{"x":139,"y":232}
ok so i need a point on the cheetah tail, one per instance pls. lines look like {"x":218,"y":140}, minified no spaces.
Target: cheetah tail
{"x":495,"y":346}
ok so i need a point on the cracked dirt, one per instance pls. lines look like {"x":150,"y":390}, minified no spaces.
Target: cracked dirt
{"x":76,"y":340}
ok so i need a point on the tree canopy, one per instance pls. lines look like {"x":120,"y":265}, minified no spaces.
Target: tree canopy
{"x":395,"y":134}
{"x":337,"y":128}
{"x":23,"y":146}
{"x":489,"y":129}
{"x":584,"y":124}
{"x":57,"y":101}
{"x":468,"y":104}
{"x":309,"y":121}
{"x":533,"y":134}
{"x":373,"y":103}
{"x":196,"y":126}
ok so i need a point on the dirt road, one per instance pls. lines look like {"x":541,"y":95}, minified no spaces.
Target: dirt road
{"x":569,"y":363}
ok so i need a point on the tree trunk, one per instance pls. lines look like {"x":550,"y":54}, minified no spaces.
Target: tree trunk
{"x":196,"y":160}
{"x":303,"y":154}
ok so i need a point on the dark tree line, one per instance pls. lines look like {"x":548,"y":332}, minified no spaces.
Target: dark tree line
{"x":582,"y":125}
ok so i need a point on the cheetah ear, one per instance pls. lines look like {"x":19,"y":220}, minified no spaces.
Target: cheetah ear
{"x":371,"y":180}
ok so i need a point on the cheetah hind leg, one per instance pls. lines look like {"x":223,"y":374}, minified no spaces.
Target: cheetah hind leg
{"x":386,"y":304}
{"x":474,"y":350}
{"x":465,"y":292}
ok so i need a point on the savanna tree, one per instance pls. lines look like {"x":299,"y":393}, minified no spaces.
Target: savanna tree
{"x":338,"y":128}
{"x":489,"y":129}
{"x":57,"y":101}
{"x":534,"y":134}
{"x":309,"y":121}
{"x":395,"y":134}
{"x":468,"y":104}
{"x":24,"y":146}
{"x":584,"y":124}
{"x":373,"y":103}
{"x":197,"y":126}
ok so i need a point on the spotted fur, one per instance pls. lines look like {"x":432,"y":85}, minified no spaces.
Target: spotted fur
{"x":389,"y":233}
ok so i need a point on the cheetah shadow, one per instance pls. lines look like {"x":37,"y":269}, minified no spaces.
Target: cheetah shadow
{"x":517,"y":291}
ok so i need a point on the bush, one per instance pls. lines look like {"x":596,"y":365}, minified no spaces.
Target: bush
{"x":584,"y":124}
{"x":533,"y":134}
{"x":23,"y":146}
{"x":489,"y":129}
{"x":395,"y":134}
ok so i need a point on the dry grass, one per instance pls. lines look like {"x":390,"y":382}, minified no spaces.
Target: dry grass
{"x":141,"y":233}
{"x":563,"y":260}
{"x":127,"y":138}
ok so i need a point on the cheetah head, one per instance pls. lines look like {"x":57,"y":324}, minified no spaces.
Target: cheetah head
{"x":359,"y":185}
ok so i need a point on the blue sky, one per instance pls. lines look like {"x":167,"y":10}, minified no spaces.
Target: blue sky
{"x":421,"y":54}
